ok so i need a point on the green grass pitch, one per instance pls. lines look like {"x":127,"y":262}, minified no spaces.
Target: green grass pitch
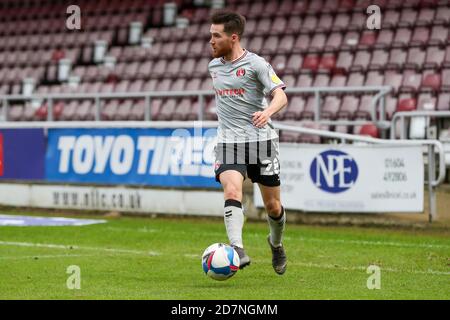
{"x":160,"y":258}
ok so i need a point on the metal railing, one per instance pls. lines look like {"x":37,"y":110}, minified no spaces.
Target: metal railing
{"x":401,"y":116}
{"x":380,"y":93}
{"x":434,"y":147}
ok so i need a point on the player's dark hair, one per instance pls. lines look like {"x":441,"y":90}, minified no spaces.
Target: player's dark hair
{"x":232,"y":22}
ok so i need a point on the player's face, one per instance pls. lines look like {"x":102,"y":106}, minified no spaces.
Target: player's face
{"x":221,"y":43}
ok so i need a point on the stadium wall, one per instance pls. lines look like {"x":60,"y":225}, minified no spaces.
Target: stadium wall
{"x":120,"y":199}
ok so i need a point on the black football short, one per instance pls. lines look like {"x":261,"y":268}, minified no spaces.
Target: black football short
{"x":258,"y":160}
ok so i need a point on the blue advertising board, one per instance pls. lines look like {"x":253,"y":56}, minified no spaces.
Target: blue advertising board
{"x":154,"y":157}
{"x":22,"y":154}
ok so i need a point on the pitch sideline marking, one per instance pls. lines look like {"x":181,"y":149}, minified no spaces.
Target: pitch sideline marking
{"x":49,"y":256}
{"x":59,"y":246}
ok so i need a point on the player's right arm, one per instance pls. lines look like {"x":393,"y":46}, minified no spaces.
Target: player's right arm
{"x":279,"y":101}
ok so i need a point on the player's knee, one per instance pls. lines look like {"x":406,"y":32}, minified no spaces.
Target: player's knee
{"x":273,"y":208}
{"x":233,"y":192}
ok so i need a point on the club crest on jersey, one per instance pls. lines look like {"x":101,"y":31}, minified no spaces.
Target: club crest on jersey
{"x":240,"y":72}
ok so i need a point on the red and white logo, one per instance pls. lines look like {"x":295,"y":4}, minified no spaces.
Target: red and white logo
{"x":1,"y":155}
{"x":216,"y":165}
{"x":240,"y":72}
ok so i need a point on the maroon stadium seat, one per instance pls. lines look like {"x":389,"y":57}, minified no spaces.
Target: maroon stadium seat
{"x":301,"y":43}
{"x":431,"y":81}
{"x":434,"y":58}
{"x":333,"y":42}
{"x":407,"y":17}
{"x":344,"y":62}
{"x":325,"y":23}
{"x":338,"y":80}
{"x":321,"y":80}
{"x":309,"y":24}
{"x":425,"y":17}
{"x":361,"y":61}
{"x":369,"y":130}
{"x":368,"y":39}
{"x":394,"y":79}
{"x":397,"y":58}
{"x":331,"y":107}
{"x":390,"y":19}
{"x":270,"y":45}
{"x":443,"y":14}
{"x":311,"y":62}
{"x":327,"y":63}
{"x":416,"y":58}
{"x":279,"y":64}
{"x":411,"y":81}
{"x":407,"y":105}
{"x":426,"y":102}
{"x":295,"y":108}
{"x":294,"y":24}
{"x":420,"y":36}
{"x":349,"y":107}
{"x":439,"y":35}
{"x":445,"y":79}
{"x":279,"y":24}
{"x":385,"y":38}
{"x":178,"y":85}
{"x":355,"y":79}
{"x":286,"y":44}
{"x":443,"y":103}
{"x":350,"y":41}
{"x":341,"y":21}
{"x":304,"y":80}
{"x":380,"y":59}
{"x":374,"y":78}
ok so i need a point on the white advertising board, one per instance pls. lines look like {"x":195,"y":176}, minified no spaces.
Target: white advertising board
{"x":139,"y":200}
{"x":337,"y":178}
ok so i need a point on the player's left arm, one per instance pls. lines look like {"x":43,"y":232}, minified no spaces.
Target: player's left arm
{"x":279,"y":101}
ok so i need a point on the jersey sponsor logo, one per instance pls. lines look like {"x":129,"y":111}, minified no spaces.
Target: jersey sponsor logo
{"x":230,"y":92}
{"x":334,"y":171}
{"x":240,"y":72}
{"x":1,"y":155}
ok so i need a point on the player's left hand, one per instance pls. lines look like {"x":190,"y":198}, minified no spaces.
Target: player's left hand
{"x":260,"y":119}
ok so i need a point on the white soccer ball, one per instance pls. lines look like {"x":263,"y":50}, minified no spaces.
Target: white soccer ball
{"x":220,"y":261}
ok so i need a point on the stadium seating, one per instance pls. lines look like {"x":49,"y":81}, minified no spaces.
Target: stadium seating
{"x":309,"y":43}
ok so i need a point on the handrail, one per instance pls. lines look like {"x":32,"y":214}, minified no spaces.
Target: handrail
{"x":381,"y":91}
{"x":412,"y":114}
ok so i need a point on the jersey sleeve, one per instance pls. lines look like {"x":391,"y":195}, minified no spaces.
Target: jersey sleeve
{"x":267,"y":76}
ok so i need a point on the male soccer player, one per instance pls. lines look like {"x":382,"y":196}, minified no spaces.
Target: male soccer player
{"x":247,"y":141}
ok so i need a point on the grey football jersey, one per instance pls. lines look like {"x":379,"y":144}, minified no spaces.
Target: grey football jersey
{"x":241,"y":87}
